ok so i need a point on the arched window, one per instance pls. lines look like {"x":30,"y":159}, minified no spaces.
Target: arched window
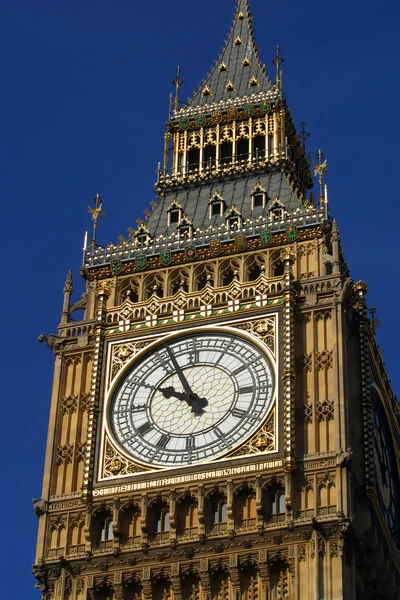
{"x":142,"y":236}
{"x":258,"y":197}
{"x":102,"y":530}
{"x":175,"y":212}
{"x":228,"y":271}
{"x":185,"y":227}
{"x":274,"y":505}
{"x":217,"y":512}
{"x":216,"y":206}
{"x":165,"y":521}
{"x":105,"y":530}
{"x":154,"y":284}
{"x":178,"y":280}
{"x":233,"y":218}
{"x":328,"y":268}
{"x":130,"y":294}
{"x":130,"y":526}
{"x":276,"y":211}
{"x":158,"y":520}
{"x":187,"y":517}
{"x":245,"y":514}
{"x":277,"y":268}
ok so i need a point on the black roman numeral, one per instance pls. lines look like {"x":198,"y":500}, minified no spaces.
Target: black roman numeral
{"x":246,"y":390}
{"x":190,"y":443}
{"x":135,"y":408}
{"x":145,"y":428}
{"x":239,"y":413}
{"x":239,"y":370}
{"x":163,"y":441}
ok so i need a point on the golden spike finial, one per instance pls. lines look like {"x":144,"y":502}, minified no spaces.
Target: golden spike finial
{"x":277,"y":61}
{"x":96,"y":212}
{"x":320,"y":169}
{"x":177,"y":82}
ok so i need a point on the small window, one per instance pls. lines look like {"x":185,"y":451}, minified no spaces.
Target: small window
{"x":233,"y":222}
{"x":157,"y":522}
{"x":258,"y":200}
{"x":215,"y":209}
{"x":165,"y":521}
{"x":223,"y":512}
{"x":174,"y":216}
{"x":277,"y":214}
{"x":105,"y":530}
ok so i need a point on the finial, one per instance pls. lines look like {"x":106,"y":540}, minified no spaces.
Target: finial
{"x":68,"y":283}
{"x":374,"y":320}
{"x":304,"y":135}
{"x":96,"y":213}
{"x":177,"y":82}
{"x":277,"y":61}
{"x":320,"y":169}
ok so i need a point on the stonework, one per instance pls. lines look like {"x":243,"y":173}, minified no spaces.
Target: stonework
{"x":306,"y":504}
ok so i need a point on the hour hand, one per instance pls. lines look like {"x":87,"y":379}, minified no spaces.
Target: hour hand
{"x":197,"y":404}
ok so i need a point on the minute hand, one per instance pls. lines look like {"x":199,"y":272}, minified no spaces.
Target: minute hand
{"x":179,"y":371}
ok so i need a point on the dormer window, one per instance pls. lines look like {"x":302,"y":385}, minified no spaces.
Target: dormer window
{"x":142,"y":235}
{"x":258,"y":197}
{"x":233,"y":218}
{"x":174,"y":213}
{"x":185,"y":227}
{"x":217,"y":206}
{"x":277,"y":211}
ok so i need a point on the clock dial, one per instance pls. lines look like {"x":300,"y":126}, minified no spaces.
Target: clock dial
{"x":192,"y":399}
{"x":385,"y":470}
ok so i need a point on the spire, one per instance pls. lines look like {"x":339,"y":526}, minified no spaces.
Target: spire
{"x":238,"y":71}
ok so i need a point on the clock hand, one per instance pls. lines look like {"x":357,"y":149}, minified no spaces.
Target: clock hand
{"x":197,"y":404}
{"x":179,"y":371}
{"x":192,"y":398}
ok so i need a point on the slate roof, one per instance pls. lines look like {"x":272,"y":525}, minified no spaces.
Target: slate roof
{"x":194,"y":201}
{"x":233,"y":55}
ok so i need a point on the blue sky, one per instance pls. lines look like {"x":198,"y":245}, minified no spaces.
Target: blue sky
{"x":84,"y":100}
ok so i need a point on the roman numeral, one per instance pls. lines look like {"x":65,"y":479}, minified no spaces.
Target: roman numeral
{"x":163,"y":441}
{"x":135,"y":408}
{"x":220,"y":435}
{"x":239,"y":414}
{"x":190,"y":443}
{"x":246,"y":390}
{"x":145,"y":428}
{"x":239,"y":370}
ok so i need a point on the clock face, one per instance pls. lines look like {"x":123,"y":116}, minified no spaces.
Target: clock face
{"x":193,"y":398}
{"x":385,"y":471}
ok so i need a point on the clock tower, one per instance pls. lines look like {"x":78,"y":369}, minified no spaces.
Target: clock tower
{"x":222,"y":426}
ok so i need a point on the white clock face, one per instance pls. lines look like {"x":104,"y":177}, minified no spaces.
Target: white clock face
{"x":192,"y":398}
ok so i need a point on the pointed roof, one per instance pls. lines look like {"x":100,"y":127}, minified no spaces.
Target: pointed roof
{"x":239,"y":71}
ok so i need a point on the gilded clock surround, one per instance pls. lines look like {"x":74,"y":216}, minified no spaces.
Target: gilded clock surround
{"x":114,"y":462}
{"x":294,"y":512}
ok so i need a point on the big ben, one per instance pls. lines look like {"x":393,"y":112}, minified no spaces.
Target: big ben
{"x":222,"y":425}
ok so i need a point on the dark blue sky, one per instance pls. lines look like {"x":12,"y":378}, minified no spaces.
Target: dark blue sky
{"x":84,"y":100}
